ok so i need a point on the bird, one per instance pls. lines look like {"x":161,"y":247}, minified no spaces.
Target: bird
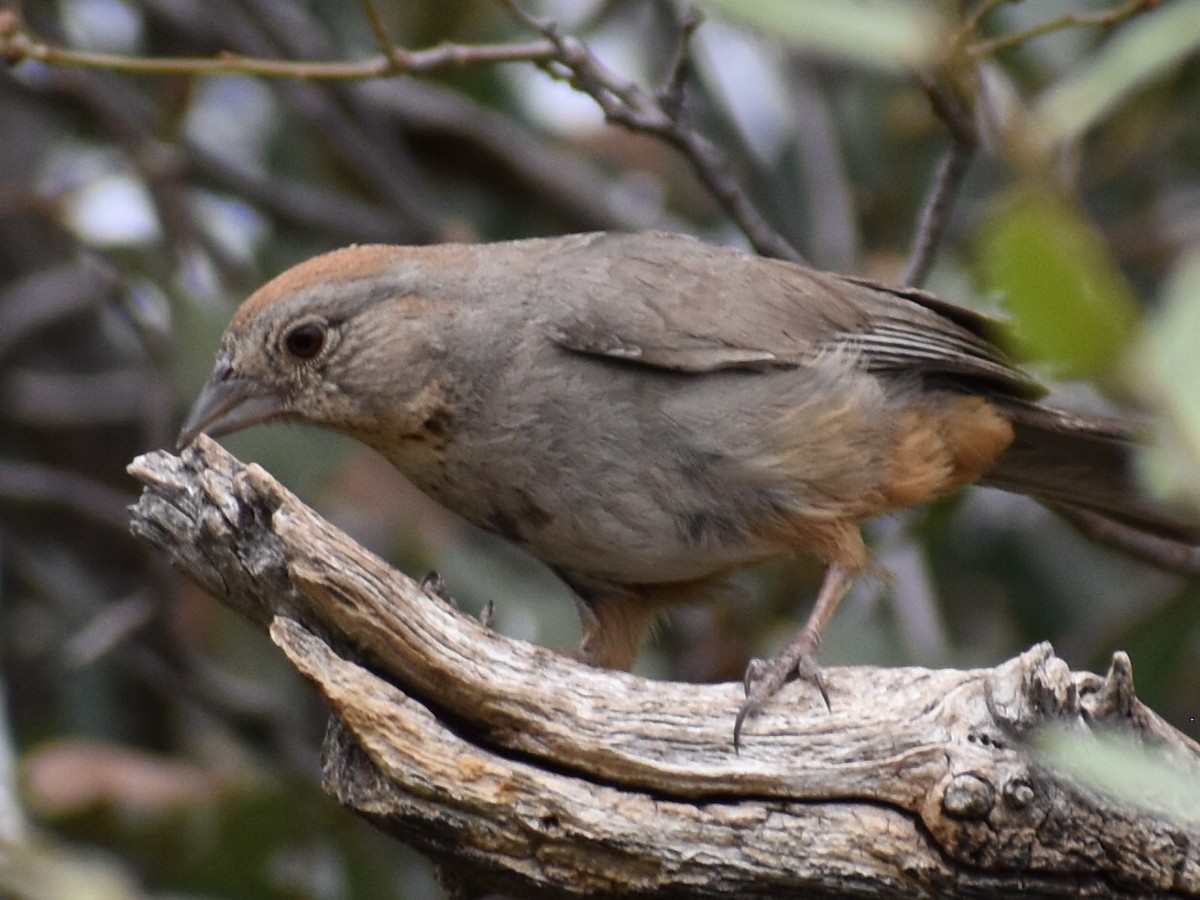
{"x":647,"y":413}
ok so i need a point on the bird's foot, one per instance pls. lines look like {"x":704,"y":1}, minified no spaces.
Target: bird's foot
{"x":764,"y":678}
{"x":433,"y":586}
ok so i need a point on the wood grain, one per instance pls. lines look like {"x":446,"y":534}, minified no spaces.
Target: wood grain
{"x":521,"y":770}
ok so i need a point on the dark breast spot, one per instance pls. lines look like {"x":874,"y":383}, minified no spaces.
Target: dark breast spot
{"x":696,"y":465}
{"x":437,"y":424}
{"x":706,"y":528}
{"x":503,"y":524}
{"x":531,"y":513}
{"x":515,"y":519}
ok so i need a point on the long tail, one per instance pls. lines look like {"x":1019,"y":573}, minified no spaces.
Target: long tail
{"x":1074,"y":463}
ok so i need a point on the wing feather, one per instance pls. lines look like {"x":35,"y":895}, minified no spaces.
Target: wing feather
{"x":676,"y":303}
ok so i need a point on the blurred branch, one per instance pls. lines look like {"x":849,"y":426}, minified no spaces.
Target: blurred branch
{"x":13,"y":824}
{"x":622,"y":102}
{"x":954,"y":95}
{"x":377,"y":159}
{"x":23,"y":482}
{"x":294,"y":200}
{"x":398,"y":212}
{"x":574,"y":189}
{"x":256,"y":714}
{"x":506,"y":762}
{"x":111,"y":625}
{"x":124,"y":115}
{"x":42,"y":298}
{"x":953,"y":102}
{"x":936,"y":209}
{"x":1173,"y":556}
{"x":36,"y":397}
{"x":831,"y":226}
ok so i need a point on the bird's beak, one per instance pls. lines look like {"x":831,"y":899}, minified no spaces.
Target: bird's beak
{"x":227,"y":404}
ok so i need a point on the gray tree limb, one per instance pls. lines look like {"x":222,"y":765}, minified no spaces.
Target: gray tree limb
{"x":520,"y":770}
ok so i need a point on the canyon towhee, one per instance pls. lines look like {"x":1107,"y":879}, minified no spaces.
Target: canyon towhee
{"x":647,"y":413}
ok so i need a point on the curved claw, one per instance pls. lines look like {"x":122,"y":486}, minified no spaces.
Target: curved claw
{"x":751,"y":707}
{"x":761,"y":681}
{"x":808,"y":670}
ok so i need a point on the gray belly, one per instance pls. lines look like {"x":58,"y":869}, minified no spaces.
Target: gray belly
{"x":636,"y":475}
{"x":629,"y":503}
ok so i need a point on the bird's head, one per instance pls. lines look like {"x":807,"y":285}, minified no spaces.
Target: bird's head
{"x":348,"y":341}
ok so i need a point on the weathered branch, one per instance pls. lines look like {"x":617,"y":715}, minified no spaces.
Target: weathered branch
{"x":536,"y":775}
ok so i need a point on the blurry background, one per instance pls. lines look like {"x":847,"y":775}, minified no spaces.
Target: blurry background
{"x":153,"y":744}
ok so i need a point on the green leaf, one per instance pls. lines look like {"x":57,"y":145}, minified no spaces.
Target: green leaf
{"x":1124,"y":770}
{"x":1070,"y":303}
{"x":1138,"y":52}
{"x":892,"y":35}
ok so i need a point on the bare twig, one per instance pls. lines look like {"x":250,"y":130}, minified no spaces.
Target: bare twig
{"x":962,"y":52}
{"x":935,"y":211}
{"x":1067,"y":20}
{"x":952,"y":102}
{"x":19,"y":44}
{"x":670,"y":95}
{"x":386,"y":45}
{"x":625,"y":103}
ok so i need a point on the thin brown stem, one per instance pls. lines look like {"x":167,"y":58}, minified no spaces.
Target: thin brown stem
{"x":625,"y":103}
{"x":970,"y":25}
{"x":382,"y":38}
{"x":670,"y":96}
{"x":935,"y":211}
{"x":1067,"y":20}
{"x":19,"y":45}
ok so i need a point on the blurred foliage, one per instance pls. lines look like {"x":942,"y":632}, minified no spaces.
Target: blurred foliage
{"x":893,"y":35}
{"x":1139,"y":777}
{"x":1135,"y":56}
{"x":136,"y":211}
{"x":1039,"y":247}
{"x":1167,"y":367}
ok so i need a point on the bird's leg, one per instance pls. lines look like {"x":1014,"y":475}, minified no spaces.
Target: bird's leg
{"x":615,"y":622}
{"x":614,"y":628}
{"x":765,"y":677}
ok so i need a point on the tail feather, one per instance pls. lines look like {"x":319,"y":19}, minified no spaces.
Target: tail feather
{"x":1065,"y":460}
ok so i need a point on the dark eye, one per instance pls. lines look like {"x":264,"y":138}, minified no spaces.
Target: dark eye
{"x":304,"y":341}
